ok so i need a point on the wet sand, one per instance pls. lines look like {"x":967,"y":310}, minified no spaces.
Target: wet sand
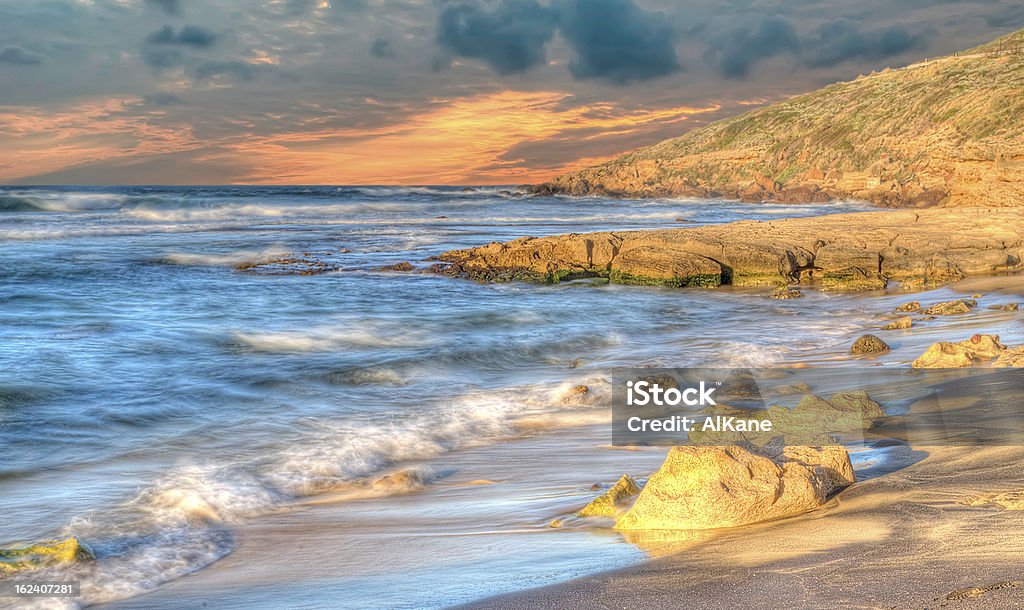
{"x":484,"y":514}
{"x":902,"y":540}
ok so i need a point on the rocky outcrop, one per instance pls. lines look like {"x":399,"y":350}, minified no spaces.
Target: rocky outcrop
{"x":43,"y":555}
{"x":860,"y":251}
{"x":710,"y":487}
{"x":947,"y":355}
{"x":942,"y":132}
{"x":610,"y":503}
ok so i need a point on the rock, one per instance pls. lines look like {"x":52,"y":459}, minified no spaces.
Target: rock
{"x":977,"y":296}
{"x":711,"y":487}
{"x":859,"y":251}
{"x":802,"y":194}
{"x":766,"y":183}
{"x":400,"y":481}
{"x":951,"y":308}
{"x":609,"y":504}
{"x":648,"y":265}
{"x":1005,"y":307}
{"x":44,"y":555}
{"x":946,"y":355}
{"x":787,"y":293}
{"x":580,"y":390}
{"x":901,"y":323}
{"x":867,"y":345}
{"x":911,"y":307}
{"x":790,"y":389}
{"x":403,"y":266}
{"x":1012,"y":357}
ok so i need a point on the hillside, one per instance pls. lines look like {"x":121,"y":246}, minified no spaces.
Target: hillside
{"x":946,"y":131}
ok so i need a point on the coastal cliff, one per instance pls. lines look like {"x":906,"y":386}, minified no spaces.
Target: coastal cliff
{"x":945,"y":131}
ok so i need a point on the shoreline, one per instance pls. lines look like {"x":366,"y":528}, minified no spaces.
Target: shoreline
{"x":890,"y":481}
{"x":906,"y":539}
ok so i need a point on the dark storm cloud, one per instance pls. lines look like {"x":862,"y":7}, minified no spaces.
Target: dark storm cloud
{"x":1011,"y":16}
{"x":508,"y":35}
{"x":617,"y":41}
{"x":614,"y":40}
{"x":194,"y":36}
{"x":382,"y":48}
{"x":735,"y":51}
{"x":18,"y":56}
{"x":171,"y":7}
{"x":842,"y":40}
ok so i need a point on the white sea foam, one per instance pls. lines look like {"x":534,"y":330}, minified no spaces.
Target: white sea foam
{"x":325,"y":339}
{"x":230,"y":259}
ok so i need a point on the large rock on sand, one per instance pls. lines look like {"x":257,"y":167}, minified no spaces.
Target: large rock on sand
{"x":946,"y":355}
{"x":43,"y":555}
{"x":710,"y":487}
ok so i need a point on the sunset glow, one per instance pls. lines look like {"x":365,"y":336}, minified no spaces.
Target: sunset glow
{"x":469,"y":140}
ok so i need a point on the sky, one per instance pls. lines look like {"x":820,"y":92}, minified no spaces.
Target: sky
{"x":419,"y":91}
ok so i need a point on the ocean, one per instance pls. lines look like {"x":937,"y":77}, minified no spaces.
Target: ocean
{"x":196,"y":379}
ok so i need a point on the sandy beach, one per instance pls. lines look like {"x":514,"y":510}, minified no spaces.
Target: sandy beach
{"x":903,"y":539}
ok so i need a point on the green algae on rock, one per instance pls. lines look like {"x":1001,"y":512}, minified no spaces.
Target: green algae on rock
{"x":44,"y":555}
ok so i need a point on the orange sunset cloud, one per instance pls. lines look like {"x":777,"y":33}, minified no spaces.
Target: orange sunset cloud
{"x":466,"y":140}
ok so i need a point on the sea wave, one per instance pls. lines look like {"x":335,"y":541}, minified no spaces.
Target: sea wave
{"x":229,"y":259}
{"x":181,"y":523}
{"x":326,"y":339}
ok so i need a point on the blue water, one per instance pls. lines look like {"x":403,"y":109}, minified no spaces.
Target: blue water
{"x":154,"y":396}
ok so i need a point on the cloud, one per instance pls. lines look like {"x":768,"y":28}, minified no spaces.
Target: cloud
{"x":171,"y":7}
{"x":18,"y":56}
{"x":617,"y":41}
{"x":613,"y":40}
{"x":162,"y":58}
{"x":508,"y":35}
{"x":382,"y":48}
{"x":162,"y":98}
{"x":208,"y":70}
{"x":841,"y":40}
{"x":735,"y":51}
{"x":194,"y":36}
